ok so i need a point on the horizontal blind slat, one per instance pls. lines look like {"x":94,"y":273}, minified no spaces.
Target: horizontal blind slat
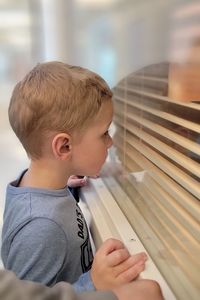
{"x":149,"y":78}
{"x":184,"y":198}
{"x":174,"y":207}
{"x":166,"y":116}
{"x":174,"y":137}
{"x":157,"y":97}
{"x":173,"y":154}
{"x":186,"y":181}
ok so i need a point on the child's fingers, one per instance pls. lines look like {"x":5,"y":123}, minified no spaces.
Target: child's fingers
{"x":131,"y":273}
{"x":73,"y":177}
{"x":109,"y":246}
{"x":117,"y":257}
{"x":76,"y":182}
{"x":132,"y":261}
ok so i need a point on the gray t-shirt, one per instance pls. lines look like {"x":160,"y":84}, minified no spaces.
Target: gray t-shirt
{"x":45,"y":236}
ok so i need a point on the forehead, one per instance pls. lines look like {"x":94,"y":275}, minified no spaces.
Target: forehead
{"x":105,"y":114}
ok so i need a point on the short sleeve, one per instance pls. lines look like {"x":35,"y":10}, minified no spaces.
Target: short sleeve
{"x":38,"y":251}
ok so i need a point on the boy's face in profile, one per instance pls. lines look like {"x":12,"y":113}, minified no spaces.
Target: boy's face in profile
{"x":90,"y":151}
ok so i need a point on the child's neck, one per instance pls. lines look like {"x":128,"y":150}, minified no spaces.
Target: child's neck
{"x":42,"y":174}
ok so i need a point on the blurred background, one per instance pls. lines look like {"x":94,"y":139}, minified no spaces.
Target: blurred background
{"x":111,"y":37}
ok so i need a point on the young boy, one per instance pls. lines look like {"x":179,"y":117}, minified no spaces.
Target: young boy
{"x":61,"y":115}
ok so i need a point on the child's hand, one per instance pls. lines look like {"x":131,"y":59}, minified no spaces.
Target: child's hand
{"x":113,"y":265}
{"x":76,"y":181}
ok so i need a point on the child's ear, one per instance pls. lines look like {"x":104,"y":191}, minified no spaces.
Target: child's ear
{"x":61,"y":146}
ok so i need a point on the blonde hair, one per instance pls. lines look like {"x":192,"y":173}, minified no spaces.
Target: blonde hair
{"x":54,"y":97}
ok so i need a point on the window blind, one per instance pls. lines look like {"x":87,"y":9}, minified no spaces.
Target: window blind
{"x":159,"y":138}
